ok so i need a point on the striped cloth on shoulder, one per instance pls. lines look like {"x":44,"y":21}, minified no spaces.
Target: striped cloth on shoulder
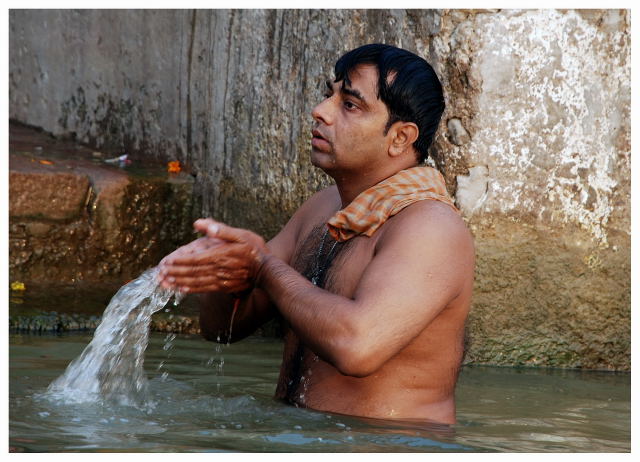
{"x":372,"y":207}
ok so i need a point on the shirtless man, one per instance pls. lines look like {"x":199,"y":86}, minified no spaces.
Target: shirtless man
{"x":374,"y":323}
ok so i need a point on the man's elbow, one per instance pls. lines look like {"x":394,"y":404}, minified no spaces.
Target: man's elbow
{"x":357,"y":361}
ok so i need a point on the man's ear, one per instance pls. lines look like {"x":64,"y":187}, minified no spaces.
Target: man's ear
{"x":403,"y":135}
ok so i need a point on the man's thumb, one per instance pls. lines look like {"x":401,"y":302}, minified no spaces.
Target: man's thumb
{"x":224,"y":232}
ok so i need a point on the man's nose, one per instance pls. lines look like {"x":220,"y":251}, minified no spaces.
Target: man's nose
{"x":322,"y":113}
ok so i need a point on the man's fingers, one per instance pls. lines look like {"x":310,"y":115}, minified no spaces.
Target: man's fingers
{"x":226,"y":233}
{"x":202,"y":224}
{"x":224,"y":271}
{"x":206,"y":284}
{"x":224,"y":255}
{"x":200,"y":281}
{"x":215,"y":288}
{"x":199,"y":245}
{"x":219,"y":230}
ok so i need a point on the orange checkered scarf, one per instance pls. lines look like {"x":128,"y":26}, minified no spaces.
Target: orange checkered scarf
{"x":371,"y":208}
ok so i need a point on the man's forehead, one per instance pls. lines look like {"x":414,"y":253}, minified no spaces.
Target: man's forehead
{"x":363,"y":78}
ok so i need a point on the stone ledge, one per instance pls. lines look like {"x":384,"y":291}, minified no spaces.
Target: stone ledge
{"x":74,"y":218}
{"x":53,"y":196}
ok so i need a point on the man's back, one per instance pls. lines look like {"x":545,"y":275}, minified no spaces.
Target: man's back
{"x":418,"y":380}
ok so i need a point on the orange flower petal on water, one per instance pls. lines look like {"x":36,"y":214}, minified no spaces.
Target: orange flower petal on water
{"x":46,"y":162}
{"x":174,"y":167}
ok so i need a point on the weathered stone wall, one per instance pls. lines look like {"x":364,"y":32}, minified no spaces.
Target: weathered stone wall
{"x":539,"y":118}
{"x":534,"y":144}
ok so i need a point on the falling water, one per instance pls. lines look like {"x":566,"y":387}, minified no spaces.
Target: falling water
{"x":111,"y":367}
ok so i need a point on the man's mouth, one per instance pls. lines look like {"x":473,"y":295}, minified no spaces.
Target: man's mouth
{"x":318,"y":135}
{"x":319,"y":142}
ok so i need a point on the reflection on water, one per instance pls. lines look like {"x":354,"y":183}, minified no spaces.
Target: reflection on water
{"x":203,"y":406}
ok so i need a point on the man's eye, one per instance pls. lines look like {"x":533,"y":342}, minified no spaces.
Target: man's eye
{"x":349,"y":105}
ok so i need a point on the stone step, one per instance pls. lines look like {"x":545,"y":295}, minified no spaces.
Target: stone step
{"x":74,"y":217}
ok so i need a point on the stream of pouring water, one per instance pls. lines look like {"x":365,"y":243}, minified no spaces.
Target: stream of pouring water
{"x":111,"y":367}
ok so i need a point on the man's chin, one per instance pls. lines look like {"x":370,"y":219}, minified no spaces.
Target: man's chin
{"x":322,"y":160}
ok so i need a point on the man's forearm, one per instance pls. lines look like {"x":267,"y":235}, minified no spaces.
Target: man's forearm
{"x":322,"y":320}
{"x":217,"y":314}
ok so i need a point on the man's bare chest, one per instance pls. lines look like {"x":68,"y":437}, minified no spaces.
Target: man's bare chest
{"x":332,"y":265}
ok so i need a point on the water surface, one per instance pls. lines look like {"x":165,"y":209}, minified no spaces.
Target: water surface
{"x":220,"y":398}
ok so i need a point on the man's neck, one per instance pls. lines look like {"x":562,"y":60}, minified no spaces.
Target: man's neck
{"x":349,"y":186}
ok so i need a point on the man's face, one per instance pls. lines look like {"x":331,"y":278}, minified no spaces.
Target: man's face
{"x":349,"y":134}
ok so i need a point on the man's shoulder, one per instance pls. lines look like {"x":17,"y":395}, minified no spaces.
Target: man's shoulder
{"x":313,"y":211}
{"x":429,"y":238}
{"x":328,"y":194}
{"x":426,"y":221}
{"x":323,"y":202}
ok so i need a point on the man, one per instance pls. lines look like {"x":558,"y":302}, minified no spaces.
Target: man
{"x":373,"y":276}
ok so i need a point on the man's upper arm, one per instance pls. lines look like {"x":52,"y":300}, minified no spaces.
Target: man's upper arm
{"x":283,"y":244}
{"x":422,"y":263}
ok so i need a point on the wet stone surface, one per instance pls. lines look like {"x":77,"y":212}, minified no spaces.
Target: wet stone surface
{"x":73,"y":217}
{"x":44,"y":309}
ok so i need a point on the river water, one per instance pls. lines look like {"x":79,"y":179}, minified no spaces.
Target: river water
{"x":110,"y":368}
{"x":220,"y":398}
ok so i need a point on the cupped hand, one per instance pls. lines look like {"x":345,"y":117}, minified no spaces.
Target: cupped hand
{"x":226,"y":260}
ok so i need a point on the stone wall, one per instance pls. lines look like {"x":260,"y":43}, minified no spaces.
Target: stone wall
{"x":75,"y":219}
{"x":534,"y":144}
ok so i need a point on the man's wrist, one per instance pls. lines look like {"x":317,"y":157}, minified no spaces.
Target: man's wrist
{"x":264,"y":262}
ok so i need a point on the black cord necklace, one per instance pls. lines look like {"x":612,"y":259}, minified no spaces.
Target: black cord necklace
{"x":317,"y":278}
{"x":320,"y":265}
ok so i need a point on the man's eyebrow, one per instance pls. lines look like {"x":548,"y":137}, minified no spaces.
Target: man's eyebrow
{"x":354,"y":93}
{"x":347,"y":91}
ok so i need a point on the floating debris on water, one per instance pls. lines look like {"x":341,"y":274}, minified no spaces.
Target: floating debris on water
{"x":121,"y":161}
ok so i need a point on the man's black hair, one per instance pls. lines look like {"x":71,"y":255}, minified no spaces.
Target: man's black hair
{"x":414,"y":93}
